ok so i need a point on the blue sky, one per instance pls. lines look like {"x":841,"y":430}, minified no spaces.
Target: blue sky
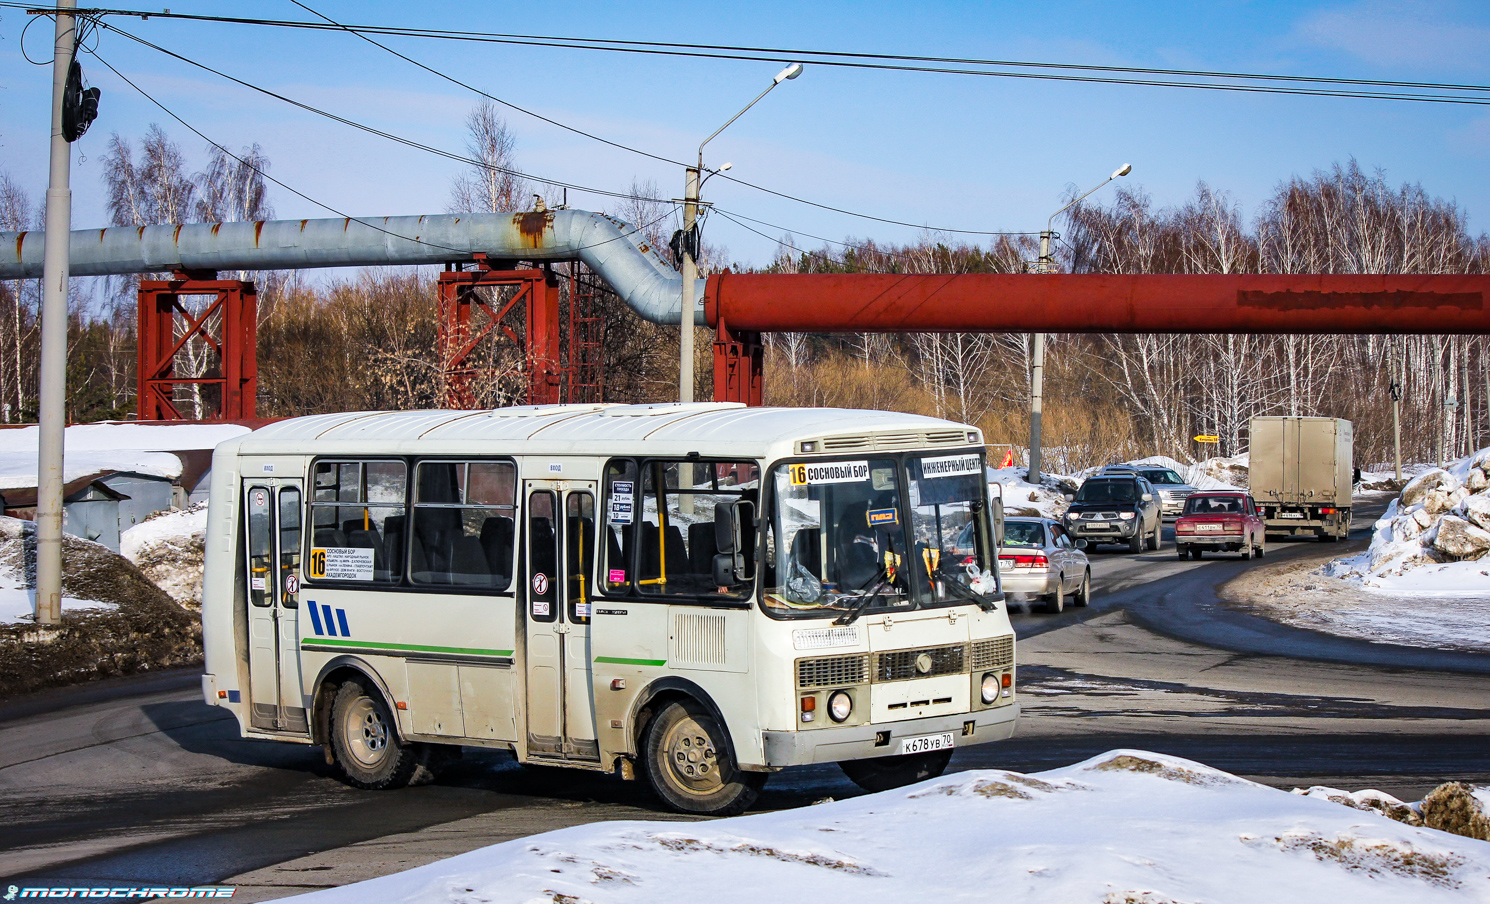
{"x":939,"y":150}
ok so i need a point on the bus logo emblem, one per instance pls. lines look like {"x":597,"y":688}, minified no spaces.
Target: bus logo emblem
{"x":540,"y":583}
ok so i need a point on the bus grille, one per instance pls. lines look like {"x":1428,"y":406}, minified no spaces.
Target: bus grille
{"x":993,"y":654}
{"x":830,"y":671}
{"x":900,"y":665}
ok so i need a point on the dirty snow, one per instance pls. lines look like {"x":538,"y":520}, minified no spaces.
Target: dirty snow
{"x":169,"y":548}
{"x":1022,"y":498}
{"x":1127,"y":826}
{"x":1411,"y":551}
{"x":18,"y":602}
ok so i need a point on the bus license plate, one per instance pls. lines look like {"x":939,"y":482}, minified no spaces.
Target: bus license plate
{"x":926,"y":743}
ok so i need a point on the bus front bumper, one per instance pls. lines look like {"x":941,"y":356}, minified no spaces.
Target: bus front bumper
{"x":833,"y":745}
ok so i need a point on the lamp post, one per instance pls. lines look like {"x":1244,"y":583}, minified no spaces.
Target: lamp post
{"x":693,"y":179}
{"x":1046,"y":264}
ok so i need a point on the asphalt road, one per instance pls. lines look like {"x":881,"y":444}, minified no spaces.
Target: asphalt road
{"x":137,"y":782}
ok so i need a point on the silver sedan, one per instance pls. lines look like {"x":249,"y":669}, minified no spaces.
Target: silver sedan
{"x":1039,"y":559}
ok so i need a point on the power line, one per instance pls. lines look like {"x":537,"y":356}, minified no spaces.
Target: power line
{"x":729,"y":51}
{"x":737,"y":217}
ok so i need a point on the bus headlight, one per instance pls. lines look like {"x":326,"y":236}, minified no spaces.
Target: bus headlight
{"x":840,"y":706}
{"x":990,"y":687}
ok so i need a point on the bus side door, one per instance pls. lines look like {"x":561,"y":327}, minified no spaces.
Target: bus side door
{"x":560,"y":538}
{"x":273,"y":511}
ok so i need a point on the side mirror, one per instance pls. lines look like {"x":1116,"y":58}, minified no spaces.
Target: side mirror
{"x":726,"y":526}
{"x":1148,"y":497}
{"x":1081,"y":544}
{"x":998,"y":523}
{"x":731,"y":540}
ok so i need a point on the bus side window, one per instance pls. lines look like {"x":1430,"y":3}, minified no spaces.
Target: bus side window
{"x":579,"y":545}
{"x":543,"y":556}
{"x":464,"y":524}
{"x":676,"y":524}
{"x":617,"y":546}
{"x":289,"y":543}
{"x":357,"y":508}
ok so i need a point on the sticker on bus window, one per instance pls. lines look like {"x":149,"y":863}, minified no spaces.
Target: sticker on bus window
{"x":342,"y":563}
{"x":256,"y":583}
{"x":882,"y":517}
{"x":617,"y":576}
{"x":621,"y":502}
{"x":951,"y":466}
{"x":540,"y":584}
{"x":582,"y":610}
{"x":540,"y":608}
{"x":810,"y":474}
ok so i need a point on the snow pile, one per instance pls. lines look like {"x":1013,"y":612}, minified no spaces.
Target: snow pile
{"x":17,"y":592}
{"x":1028,"y":500}
{"x":1224,"y":472}
{"x":169,"y":548}
{"x":1434,"y":537}
{"x":1127,"y":826}
{"x":91,"y":448}
{"x":1199,"y":475}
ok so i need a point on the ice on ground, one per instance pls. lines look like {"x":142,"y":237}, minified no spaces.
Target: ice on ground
{"x":18,"y":604}
{"x":1434,"y":539}
{"x":169,"y":548}
{"x":1127,"y":826}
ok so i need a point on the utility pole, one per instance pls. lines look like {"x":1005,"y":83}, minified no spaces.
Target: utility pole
{"x":1037,"y":404}
{"x":52,"y":394}
{"x":690,"y":273}
{"x":1396,"y":391}
{"x":1046,"y":264}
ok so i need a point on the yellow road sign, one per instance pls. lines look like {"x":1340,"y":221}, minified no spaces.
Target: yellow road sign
{"x":1208,"y":439}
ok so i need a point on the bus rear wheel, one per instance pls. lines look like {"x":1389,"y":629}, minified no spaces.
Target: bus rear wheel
{"x":886,"y":772}
{"x":690,"y":765}
{"x":366,"y":745}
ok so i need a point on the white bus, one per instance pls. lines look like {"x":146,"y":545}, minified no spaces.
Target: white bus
{"x":696,"y":594}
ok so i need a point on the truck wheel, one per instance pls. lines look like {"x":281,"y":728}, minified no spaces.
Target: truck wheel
{"x":1157,"y":540}
{"x":366,"y":745}
{"x":1135,"y":543}
{"x":690,"y":765}
{"x":886,"y":772}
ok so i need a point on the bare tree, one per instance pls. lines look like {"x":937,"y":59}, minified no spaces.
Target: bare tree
{"x":492,"y":184}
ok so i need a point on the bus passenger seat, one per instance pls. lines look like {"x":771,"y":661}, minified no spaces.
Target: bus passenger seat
{"x":496,"y":545}
{"x":468,"y":562}
{"x":330,"y":537}
{"x":702,"y":548}
{"x":366,"y":539}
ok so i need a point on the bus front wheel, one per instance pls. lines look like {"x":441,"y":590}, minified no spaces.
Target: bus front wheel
{"x":690,"y":765}
{"x":366,"y":745}
{"x":886,"y":772}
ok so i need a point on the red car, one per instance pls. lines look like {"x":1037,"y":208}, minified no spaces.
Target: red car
{"x":1219,"y":521}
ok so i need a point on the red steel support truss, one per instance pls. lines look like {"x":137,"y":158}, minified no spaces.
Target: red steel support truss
{"x":235,"y":304}
{"x":739,"y":366}
{"x":461,"y":331}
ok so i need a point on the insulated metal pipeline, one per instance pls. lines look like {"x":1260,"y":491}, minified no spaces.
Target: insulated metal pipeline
{"x":613,"y":249}
{"x":1082,"y":303}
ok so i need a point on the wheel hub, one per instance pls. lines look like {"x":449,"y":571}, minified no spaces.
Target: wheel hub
{"x":692,"y":757}
{"x":366,"y":733}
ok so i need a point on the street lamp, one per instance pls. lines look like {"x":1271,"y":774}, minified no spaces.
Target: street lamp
{"x":689,"y":241}
{"x":1046,"y":264}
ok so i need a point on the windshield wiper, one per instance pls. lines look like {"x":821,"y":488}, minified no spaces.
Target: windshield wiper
{"x":864,"y":602}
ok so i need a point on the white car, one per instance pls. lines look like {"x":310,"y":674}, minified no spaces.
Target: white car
{"x":1039,"y":559}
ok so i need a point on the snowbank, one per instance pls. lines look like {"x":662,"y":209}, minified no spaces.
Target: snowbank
{"x":1025,"y":499}
{"x":169,"y":548}
{"x":1126,"y":826}
{"x":18,"y":469}
{"x":1434,"y":538}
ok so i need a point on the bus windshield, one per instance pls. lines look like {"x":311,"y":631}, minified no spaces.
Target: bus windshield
{"x":840,"y":535}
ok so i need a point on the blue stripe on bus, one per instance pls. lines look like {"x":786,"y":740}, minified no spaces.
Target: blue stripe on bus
{"x":315,"y":616}
{"x":330,"y":625}
{"x":341,"y":619}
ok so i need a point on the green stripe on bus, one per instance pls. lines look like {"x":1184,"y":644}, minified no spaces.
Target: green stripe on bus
{"x":617,"y":660}
{"x":406,"y":647}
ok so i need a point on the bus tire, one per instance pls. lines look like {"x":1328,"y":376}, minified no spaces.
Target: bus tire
{"x":690,"y":765}
{"x":366,"y":745}
{"x":886,"y":772}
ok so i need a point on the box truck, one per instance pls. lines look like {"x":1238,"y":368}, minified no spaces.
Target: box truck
{"x":1302,"y":473}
